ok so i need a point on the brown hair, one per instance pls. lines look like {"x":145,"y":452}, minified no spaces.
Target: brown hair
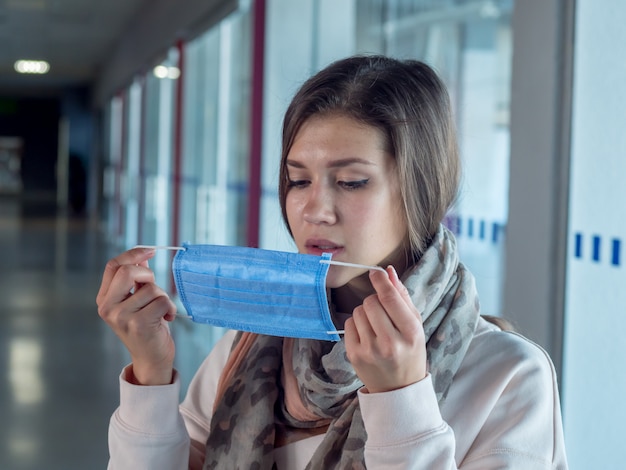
{"x":408,"y":102}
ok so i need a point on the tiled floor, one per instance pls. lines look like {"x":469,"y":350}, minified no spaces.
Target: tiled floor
{"x":58,"y":361}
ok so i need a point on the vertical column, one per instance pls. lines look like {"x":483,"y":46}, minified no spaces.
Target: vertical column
{"x":63,"y":163}
{"x":177,"y":154}
{"x":120,"y":180}
{"x":539,"y":167}
{"x":256,"y":122}
{"x":141,"y":209}
{"x":178,"y":145}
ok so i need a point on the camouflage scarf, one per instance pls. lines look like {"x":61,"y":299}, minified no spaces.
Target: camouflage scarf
{"x":250,"y":419}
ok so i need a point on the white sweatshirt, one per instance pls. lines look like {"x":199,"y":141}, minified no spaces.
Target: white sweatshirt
{"x":502,"y":411}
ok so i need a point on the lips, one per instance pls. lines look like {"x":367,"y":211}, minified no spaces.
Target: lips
{"x":319,"y":246}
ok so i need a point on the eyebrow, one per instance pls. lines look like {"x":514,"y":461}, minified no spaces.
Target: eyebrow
{"x":341,"y":163}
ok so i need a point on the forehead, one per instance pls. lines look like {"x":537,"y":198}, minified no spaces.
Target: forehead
{"x":338,"y":137}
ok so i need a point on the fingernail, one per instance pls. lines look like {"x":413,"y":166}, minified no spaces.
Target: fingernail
{"x":393,"y":270}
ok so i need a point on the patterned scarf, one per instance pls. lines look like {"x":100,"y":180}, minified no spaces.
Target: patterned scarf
{"x":256,"y":410}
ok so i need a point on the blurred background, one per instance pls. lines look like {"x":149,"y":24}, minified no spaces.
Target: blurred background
{"x":152,"y":122}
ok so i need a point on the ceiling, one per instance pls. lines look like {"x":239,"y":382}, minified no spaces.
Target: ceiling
{"x":74,"y":36}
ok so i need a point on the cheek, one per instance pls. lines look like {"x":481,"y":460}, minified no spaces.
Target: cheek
{"x":292,"y":209}
{"x":378,"y":210}
{"x":386,"y":220}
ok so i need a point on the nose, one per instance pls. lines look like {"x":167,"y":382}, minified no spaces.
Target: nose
{"x":319,"y":206}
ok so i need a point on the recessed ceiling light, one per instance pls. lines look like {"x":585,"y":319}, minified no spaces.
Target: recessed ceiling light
{"x":32,"y":66}
{"x":161,"y":71}
{"x":173,"y":73}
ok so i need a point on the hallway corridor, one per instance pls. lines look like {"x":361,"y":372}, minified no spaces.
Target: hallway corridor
{"x":58,"y":361}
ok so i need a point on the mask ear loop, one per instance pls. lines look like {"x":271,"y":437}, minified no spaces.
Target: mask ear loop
{"x":157,"y":247}
{"x":349,"y":265}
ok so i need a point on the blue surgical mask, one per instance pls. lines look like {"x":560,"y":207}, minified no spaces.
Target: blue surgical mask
{"x":260,"y":291}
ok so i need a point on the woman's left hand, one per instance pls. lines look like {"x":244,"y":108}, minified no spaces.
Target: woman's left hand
{"x":385,"y":338}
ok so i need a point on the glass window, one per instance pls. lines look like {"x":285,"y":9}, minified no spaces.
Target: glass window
{"x":111,"y":171}
{"x":216,"y":129}
{"x":157,"y":162}
{"x":214,"y":180}
{"x":129,"y":199}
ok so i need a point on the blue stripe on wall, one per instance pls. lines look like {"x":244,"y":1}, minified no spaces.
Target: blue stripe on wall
{"x":578,"y":245}
{"x":595,"y":255}
{"x":480,"y":229}
{"x":615,"y":255}
{"x":494,"y":232}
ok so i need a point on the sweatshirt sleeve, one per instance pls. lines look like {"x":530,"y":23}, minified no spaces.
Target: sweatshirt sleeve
{"x":150,"y":430}
{"x":405,"y":429}
{"x":503,"y":411}
{"x":147,"y":431}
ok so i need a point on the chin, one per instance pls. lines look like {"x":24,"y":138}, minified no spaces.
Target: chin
{"x":332,"y":282}
{"x":340,"y":277}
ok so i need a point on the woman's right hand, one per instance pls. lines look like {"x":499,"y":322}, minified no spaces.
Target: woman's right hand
{"x":138,"y":311}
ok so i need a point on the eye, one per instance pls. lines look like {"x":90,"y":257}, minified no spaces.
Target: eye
{"x":298,"y":184}
{"x":352,"y":185}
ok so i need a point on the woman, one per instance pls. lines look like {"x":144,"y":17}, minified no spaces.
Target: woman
{"x":369,"y":168}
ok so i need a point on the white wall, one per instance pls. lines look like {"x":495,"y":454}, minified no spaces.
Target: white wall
{"x":594,"y":374}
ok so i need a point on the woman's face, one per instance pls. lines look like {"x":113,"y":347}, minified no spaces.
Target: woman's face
{"x":344,"y":196}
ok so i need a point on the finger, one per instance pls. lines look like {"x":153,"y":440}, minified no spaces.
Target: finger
{"x":351,"y":335}
{"x":127,"y":277}
{"x":153,"y":303}
{"x":378,"y":318}
{"x":145,"y":295}
{"x":362,"y":324}
{"x":359,"y":337}
{"x":138,"y":256}
{"x":402,"y":315}
{"x":148,"y":306}
{"x":163,"y":304}
{"x":404,"y":292}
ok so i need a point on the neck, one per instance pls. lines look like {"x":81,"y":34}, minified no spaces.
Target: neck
{"x":349,"y":296}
